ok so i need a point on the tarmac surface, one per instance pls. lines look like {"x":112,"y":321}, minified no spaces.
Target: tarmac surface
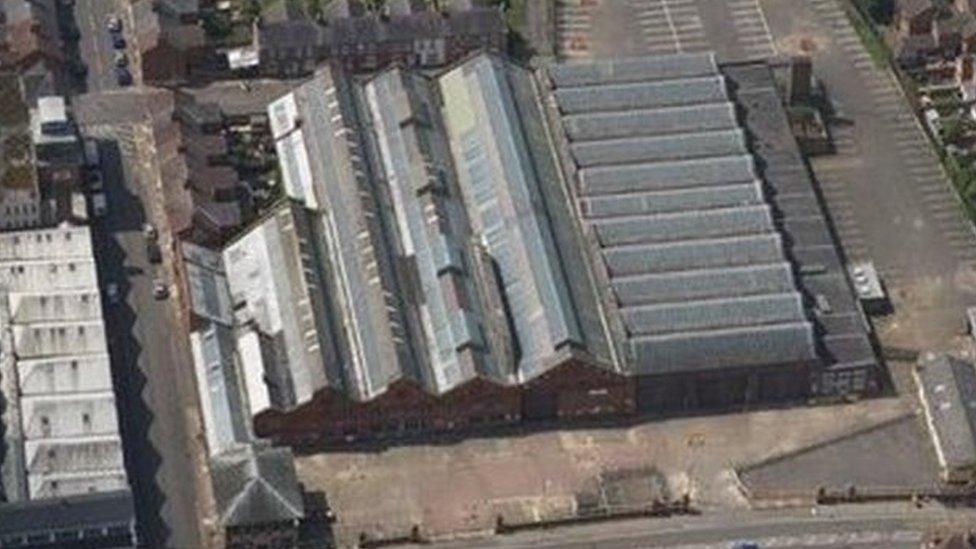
{"x":156,"y":390}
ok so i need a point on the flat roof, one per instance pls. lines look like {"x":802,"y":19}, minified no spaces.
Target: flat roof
{"x":948,"y":388}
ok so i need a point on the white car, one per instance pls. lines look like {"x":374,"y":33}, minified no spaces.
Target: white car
{"x":99,"y":205}
{"x":93,"y":159}
{"x":112,"y":292}
{"x":114,"y":24}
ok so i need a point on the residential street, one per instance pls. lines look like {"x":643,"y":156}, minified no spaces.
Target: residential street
{"x":91,"y":17}
{"x":152,"y":369}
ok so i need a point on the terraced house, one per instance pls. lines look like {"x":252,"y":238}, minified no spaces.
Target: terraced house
{"x":487,"y":245}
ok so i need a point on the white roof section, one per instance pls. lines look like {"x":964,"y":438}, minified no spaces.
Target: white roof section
{"x":52,"y":109}
{"x":55,"y":346}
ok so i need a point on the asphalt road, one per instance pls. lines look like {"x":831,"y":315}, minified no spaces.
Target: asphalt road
{"x":151,"y":367}
{"x":888,"y":527}
{"x":95,"y":45}
{"x":147,"y":363}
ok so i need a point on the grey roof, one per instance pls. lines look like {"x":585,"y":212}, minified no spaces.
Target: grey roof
{"x":641,"y":95}
{"x":256,"y":484}
{"x":651,"y":121}
{"x":948,"y":387}
{"x":673,"y":174}
{"x":376,"y":30}
{"x":677,"y":286}
{"x":637,"y":69}
{"x":432,"y":226}
{"x":43,"y":519}
{"x":665,"y":147}
{"x":207,"y":282}
{"x":818,"y":269}
{"x":498,"y":179}
{"x":687,"y":225}
{"x":365,"y":288}
{"x":693,"y":252}
{"x":672,"y":200}
{"x":746,"y":346}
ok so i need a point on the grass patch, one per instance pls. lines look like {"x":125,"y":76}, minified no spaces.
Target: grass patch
{"x":963,"y":178}
{"x":869,"y":36}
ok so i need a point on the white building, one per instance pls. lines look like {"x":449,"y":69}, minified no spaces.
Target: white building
{"x":61,"y":425}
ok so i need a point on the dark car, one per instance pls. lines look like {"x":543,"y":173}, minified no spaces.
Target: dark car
{"x":118,"y":41}
{"x":153,"y":252}
{"x":123,"y":76}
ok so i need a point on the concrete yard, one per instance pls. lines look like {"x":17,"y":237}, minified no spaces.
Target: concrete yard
{"x":888,"y":200}
{"x":457,"y":487}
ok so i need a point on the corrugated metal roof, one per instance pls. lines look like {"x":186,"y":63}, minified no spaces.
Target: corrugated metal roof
{"x":688,"y":225}
{"x":694,"y":254}
{"x":676,"y":174}
{"x":712,"y":314}
{"x":672,"y":195}
{"x":701,"y":198}
{"x":642,"y":95}
{"x":501,"y":189}
{"x":703,"y":284}
{"x":602,"y":72}
{"x":667,"y":147}
{"x":652,"y":121}
{"x":696,"y":351}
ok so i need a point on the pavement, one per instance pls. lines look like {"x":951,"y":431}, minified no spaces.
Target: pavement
{"x":735,"y":29}
{"x":885,"y":189}
{"x":447,"y":487}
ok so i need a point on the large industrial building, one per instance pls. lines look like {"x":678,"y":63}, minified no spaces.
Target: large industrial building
{"x":61,"y":440}
{"x":489,"y":245}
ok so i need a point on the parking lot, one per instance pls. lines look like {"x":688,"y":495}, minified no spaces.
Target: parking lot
{"x":885,"y":190}
{"x":735,"y":29}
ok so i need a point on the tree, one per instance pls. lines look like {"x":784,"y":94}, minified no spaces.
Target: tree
{"x":881,"y":11}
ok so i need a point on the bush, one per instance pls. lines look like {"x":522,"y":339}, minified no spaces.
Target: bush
{"x":880,"y":11}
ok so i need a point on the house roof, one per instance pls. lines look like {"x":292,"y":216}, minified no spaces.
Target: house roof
{"x":911,"y":8}
{"x":256,"y":484}
{"x":377,"y":30}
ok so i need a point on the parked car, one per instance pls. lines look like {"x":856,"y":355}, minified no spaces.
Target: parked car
{"x":99,"y":205}
{"x":93,"y":177}
{"x":123,"y":76}
{"x":78,"y":69}
{"x":160,"y":289}
{"x":114,"y":24}
{"x":121,"y":59}
{"x":93,"y":157}
{"x":150,"y":231}
{"x":153,"y":252}
{"x":118,"y":41}
{"x":112,"y":292}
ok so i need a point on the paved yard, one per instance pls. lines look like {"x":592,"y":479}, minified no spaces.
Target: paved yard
{"x":464,"y":487}
{"x":736,"y":29}
{"x":885,"y":190}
